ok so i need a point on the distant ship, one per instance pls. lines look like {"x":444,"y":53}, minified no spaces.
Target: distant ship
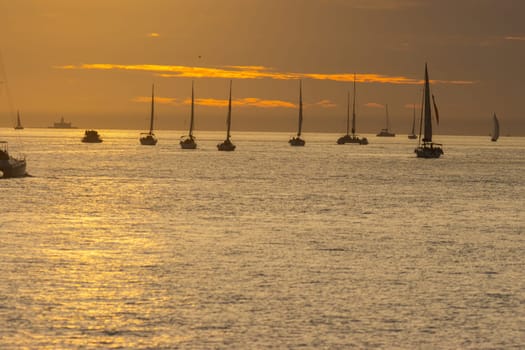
{"x":91,"y":136}
{"x":351,"y":138}
{"x":18,"y":123}
{"x":386,"y":132}
{"x":227,"y":145}
{"x":148,"y":138}
{"x":62,"y":125}
{"x":297,"y":140}
{"x":495,"y":129}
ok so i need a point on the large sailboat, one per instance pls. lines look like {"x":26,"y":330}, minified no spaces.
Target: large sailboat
{"x":386,"y":131}
{"x":11,"y":166}
{"x":227,"y":145}
{"x":426,"y":148}
{"x":495,"y":128}
{"x":18,"y":125}
{"x":413,"y":135}
{"x":351,"y":138}
{"x":149,"y":138}
{"x":297,"y":140}
{"x":189,"y":141}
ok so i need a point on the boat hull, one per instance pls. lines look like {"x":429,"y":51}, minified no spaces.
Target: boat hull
{"x":296,"y":141}
{"x":352,"y":140}
{"x":149,"y":140}
{"x":385,"y":133}
{"x":13,"y":168}
{"x":188,"y":144}
{"x":429,"y":151}
{"x":226,"y":146}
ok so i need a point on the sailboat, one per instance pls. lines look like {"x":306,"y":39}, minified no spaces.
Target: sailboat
{"x":149,"y":138}
{"x":227,"y":145}
{"x":351,"y":138}
{"x":386,"y":132}
{"x":412,"y":135}
{"x":189,"y":141}
{"x":297,"y":140}
{"x":9,"y":165}
{"x":495,"y":128}
{"x":18,"y":123}
{"x":426,"y":148}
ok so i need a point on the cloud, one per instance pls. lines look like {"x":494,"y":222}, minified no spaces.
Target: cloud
{"x":516,"y":38}
{"x":254,"y":72}
{"x":325,"y":104}
{"x":374,"y":105}
{"x":212,"y":102}
{"x":159,"y":100}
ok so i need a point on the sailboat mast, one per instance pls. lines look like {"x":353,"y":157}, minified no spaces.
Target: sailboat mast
{"x":414,"y":119}
{"x":192,"y":110}
{"x":353,"y":112}
{"x":229,"y":119}
{"x":300,"y":108}
{"x":387,"y":119}
{"x":428,"y":111}
{"x":348,"y":114}
{"x":152,"y":108}
{"x":421,"y":117}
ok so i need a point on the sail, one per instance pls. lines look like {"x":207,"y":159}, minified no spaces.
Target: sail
{"x":353,"y":112}
{"x":300,"y":109}
{"x":192,"y":111}
{"x":229,"y":119}
{"x":152,"y":108}
{"x":427,"y":110}
{"x":18,"y":123}
{"x":495,"y":130}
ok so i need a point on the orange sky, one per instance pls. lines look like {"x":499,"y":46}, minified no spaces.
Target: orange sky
{"x":93,"y":62}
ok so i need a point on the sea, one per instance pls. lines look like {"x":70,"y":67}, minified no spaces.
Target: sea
{"x":122,"y":246}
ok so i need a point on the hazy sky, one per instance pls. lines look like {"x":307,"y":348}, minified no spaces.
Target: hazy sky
{"x":93,"y":62}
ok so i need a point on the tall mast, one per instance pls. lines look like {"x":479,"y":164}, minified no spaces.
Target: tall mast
{"x":353,"y":112}
{"x":300,"y":108}
{"x":348,"y":114}
{"x":387,"y":121}
{"x":428,"y":111}
{"x":192,"y":110}
{"x":229,"y":119}
{"x":152,"y":108}
{"x":414,"y":119}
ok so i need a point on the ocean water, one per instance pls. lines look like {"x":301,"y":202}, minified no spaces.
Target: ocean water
{"x":122,"y":246}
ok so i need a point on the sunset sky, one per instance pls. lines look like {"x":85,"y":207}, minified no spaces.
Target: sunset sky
{"x":93,"y":62}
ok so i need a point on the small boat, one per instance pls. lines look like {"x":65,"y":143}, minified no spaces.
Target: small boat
{"x":62,"y":124}
{"x":297,"y":140}
{"x":386,"y":132}
{"x":495,"y":128}
{"x":189,"y":141}
{"x":91,"y":136}
{"x":9,"y":165}
{"x":227,"y":145}
{"x":427,"y":148}
{"x":412,"y":135}
{"x":351,"y":138}
{"x":148,"y":138}
{"x":18,"y":123}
